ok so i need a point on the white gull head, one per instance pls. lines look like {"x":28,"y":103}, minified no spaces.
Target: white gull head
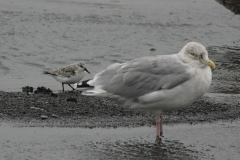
{"x":196,"y":55}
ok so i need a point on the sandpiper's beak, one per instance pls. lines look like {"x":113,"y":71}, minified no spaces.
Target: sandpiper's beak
{"x":209,"y":63}
{"x":87,"y":70}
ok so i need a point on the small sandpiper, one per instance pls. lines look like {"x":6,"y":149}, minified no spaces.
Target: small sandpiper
{"x":70,"y":74}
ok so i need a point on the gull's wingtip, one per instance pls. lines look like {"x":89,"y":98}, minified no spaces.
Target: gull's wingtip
{"x":83,"y":84}
{"x":75,"y":85}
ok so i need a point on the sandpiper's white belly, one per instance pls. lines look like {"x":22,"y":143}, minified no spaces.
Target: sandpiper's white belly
{"x":70,"y":80}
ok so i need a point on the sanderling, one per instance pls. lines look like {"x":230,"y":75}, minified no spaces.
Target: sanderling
{"x":156,"y":83}
{"x":70,"y":74}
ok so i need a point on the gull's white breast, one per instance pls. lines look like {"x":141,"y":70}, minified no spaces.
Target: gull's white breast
{"x":178,"y":97}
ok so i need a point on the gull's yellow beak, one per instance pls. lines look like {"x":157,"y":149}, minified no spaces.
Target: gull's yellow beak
{"x":209,"y":63}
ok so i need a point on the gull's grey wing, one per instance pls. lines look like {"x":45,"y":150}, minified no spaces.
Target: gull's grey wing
{"x":141,"y":76}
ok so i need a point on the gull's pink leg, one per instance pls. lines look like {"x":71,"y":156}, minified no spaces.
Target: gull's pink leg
{"x":158,"y":123}
{"x":161,"y":128}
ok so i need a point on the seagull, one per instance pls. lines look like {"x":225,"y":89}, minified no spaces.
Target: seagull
{"x":156,"y":83}
{"x":70,"y":74}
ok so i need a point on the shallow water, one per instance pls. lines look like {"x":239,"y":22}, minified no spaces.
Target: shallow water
{"x":49,"y":34}
{"x":203,"y":141}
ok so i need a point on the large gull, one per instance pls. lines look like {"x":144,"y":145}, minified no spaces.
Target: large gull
{"x":156,"y":83}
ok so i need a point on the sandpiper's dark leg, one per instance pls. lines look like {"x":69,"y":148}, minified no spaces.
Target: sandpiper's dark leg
{"x":63,"y":86}
{"x":71,"y":86}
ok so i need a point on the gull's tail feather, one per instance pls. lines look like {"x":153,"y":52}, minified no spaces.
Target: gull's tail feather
{"x":95,"y":92}
{"x":90,"y":90}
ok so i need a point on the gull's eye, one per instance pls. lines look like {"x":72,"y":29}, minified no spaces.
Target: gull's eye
{"x":192,"y":54}
{"x":201,"y":56}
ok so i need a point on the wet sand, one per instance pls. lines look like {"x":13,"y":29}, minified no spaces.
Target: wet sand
{"x":71,"y":109}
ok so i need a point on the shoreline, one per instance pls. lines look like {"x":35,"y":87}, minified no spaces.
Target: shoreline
{"x":71,"y":109}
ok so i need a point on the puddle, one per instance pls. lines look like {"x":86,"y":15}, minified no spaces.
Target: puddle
{"x":202,"y":141}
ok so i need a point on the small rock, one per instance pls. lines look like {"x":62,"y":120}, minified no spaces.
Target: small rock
{"x":54,"y":116}
{"x":152,"y":49}
{"x":27,"y":89}
{"x":43,"y":90}
{"x":72,"y":100}
{"x":53,"y":95}
{"x":44,"y":117}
